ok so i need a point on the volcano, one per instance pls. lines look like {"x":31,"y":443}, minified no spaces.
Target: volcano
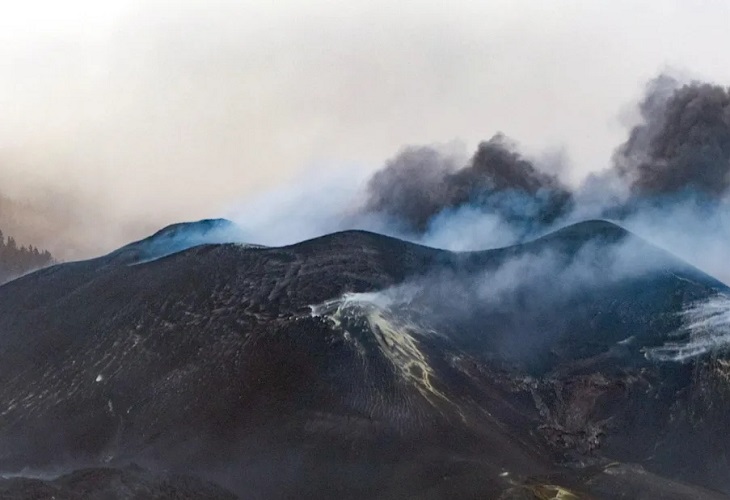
{"x":356,"y":365}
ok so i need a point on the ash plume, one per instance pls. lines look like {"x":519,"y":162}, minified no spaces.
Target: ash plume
{"x":682,"y":143}
{"x":412,"y":187}
{"x":668,"y":182}
{"x":420,"y":183}
{"x":679,"y":150}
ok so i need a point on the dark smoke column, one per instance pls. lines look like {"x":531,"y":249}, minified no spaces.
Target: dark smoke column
{"x":420,"y":183}
{"x":683,"y":144}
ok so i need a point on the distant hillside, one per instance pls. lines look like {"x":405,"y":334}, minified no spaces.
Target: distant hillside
{"x":17,"y":260}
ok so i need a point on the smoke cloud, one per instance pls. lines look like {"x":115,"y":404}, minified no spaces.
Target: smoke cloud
{"x":683,"y":142}
{"x":421,"y":183}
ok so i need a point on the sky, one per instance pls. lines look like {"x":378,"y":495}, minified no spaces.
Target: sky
{"x":119,"y":117}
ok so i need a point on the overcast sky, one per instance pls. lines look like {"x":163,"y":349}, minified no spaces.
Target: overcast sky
{"x":120,"y":116}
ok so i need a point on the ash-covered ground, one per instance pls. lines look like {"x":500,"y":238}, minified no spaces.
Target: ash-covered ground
{"x":357,"y":365}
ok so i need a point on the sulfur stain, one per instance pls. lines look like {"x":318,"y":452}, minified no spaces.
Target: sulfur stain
{"x":552,"y":492}
{"x":395,"y":337}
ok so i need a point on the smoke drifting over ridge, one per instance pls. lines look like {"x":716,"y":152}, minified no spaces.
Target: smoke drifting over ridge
{"x":668,"y":183}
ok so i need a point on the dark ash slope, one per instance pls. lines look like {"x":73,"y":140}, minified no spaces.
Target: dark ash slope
{"x":211,"y":361}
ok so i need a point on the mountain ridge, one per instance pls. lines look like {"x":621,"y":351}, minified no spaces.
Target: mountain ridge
{"x":216,"y":359}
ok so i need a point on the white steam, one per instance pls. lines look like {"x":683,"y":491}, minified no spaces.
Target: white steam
{"x":705,"y":330}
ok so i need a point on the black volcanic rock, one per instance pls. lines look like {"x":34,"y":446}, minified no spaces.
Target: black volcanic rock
{"x":129,"y":483}
{"x":361,"y":366}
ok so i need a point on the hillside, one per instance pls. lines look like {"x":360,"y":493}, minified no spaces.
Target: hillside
{"x":357,"y":365}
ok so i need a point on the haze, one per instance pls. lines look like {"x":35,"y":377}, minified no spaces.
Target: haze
{"x":119,"y":117}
